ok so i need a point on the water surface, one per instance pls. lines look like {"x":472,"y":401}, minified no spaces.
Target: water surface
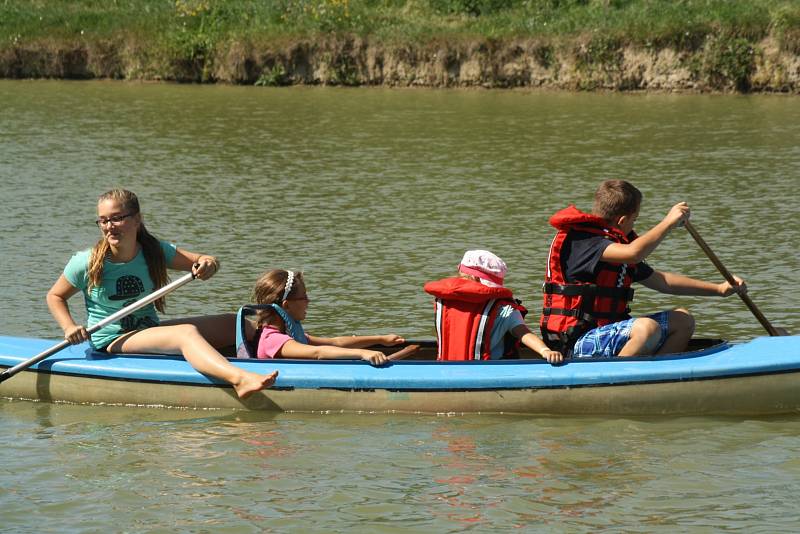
{"x":372,"y":192}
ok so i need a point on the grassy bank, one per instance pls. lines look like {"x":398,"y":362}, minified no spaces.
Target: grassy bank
{"x":581,"y":44}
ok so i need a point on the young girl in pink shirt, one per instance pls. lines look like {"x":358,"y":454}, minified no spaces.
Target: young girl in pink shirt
{"x":281,"y":333}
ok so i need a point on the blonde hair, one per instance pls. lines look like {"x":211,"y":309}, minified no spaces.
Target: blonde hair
{"x":467,"y":276}
{"x":269,"y":289}
{"x":151,"y":248}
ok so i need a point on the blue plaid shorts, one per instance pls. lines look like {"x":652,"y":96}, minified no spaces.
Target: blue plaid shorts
{"x":606,"y":341}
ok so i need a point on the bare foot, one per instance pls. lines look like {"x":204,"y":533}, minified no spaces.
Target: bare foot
{"x":252,"y":382}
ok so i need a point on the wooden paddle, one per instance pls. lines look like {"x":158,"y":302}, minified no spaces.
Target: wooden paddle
{"x":124,"y":312}
{"x":732,"y":281}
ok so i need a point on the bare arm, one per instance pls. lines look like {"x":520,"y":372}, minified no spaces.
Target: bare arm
{"x":533,"y":342}
{"x":293,"y":349}
{"x":357,"y":342}
{"x":202,"y":265}
{"x":677,"y":284}
{"x":641,"y":247}
{"x":57,"y":298}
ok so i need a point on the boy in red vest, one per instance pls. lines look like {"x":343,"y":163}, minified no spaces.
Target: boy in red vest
{"x":594,"y":258}
{"x":477,"y":318}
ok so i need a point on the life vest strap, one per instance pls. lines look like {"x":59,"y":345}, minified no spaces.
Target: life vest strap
{"x":588,"y":290}
{"x":564,"y":342}
{"x":584,"y":315}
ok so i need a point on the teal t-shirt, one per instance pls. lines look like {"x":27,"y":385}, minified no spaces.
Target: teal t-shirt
{"x":123,"y":284}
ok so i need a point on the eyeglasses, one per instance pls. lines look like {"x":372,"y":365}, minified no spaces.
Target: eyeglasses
{"x":113,"y":221}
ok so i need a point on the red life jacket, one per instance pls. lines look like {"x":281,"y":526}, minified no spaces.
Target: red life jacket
{"x":465,"y":314}
{"x":571,"y":309}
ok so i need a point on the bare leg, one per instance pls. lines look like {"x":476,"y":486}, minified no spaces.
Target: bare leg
{"x":645,"y":334}
{"x":186,"y":339}
{"x":679,"y":332}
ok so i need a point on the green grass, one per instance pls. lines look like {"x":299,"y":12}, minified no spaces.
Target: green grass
{"x":681,"y":23}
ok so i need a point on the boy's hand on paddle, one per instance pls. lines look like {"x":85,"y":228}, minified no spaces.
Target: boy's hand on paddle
{"x":726,"y":289}
{"x":677,"y":214}
{"x":76,"y":334}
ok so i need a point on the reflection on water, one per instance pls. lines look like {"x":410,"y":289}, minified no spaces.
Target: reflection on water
{"x":102,"y":467}
{"x":372,"y":193}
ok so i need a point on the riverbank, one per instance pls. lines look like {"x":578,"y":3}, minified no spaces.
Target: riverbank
{"x":690,"y":45}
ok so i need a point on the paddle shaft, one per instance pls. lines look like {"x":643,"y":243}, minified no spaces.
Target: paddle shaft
{"x":124,"y":312}
{"x":731,"y":280}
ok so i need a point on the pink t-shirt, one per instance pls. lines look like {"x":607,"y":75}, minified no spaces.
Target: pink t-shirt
{"x":270,"y":342}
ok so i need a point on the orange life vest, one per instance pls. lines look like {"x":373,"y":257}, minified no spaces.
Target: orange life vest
{"x":465,"y":315}
{"x":571,"y":309}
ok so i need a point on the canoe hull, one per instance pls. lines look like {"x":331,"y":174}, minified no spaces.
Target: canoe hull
{"x":409,"y":387}
{"x":747,"y":395}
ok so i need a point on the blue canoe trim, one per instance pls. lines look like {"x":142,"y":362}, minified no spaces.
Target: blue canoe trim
{"x":765,"y":355}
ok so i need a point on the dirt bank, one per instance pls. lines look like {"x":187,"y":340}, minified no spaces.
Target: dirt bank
{"x":716,"y":65}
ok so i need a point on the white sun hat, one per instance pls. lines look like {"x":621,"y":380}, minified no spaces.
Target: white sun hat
{"x":484,"y":265}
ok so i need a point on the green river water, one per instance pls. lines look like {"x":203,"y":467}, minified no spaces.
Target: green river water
{"x":372,"y":192}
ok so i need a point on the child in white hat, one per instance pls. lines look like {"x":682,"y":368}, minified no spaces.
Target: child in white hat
{"x":477,"y":318}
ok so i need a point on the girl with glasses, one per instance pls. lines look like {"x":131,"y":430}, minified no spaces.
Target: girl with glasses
{"x":127,"y":264}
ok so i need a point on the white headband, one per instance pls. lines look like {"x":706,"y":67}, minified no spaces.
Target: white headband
{"x":289,"y":283}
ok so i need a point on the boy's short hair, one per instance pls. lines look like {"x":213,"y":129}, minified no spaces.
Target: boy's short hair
{"x":615,"y":198}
